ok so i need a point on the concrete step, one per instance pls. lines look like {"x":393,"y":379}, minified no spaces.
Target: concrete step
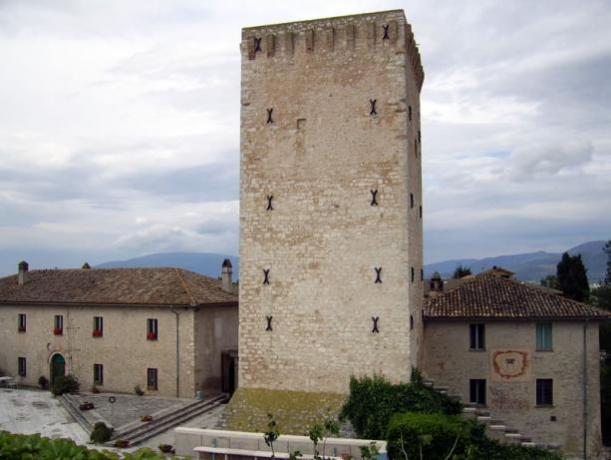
{"x":75,"y":413}
{"x":147,"y":430}
{"x":528,"y":444}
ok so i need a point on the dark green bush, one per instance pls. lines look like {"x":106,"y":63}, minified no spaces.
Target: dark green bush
{"x":30,"y":447}
{"x":101,"y":433}
{"x":426,"y":435}
{"x":43,"y":382}
{"x":373,"y":401}
{"x":439,"y":435}
{"x":65,"y":384}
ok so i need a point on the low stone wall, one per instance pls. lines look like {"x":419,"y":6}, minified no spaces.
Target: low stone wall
{"x":187,"y":439}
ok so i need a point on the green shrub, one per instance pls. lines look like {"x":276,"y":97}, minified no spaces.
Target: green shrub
{"x":373,"y":401}
{"x":66,"y":384}
{"x":43,"y":382}
{"x":30,"y":447}
{"x":439,"y":435}
{"x":101,"y":433}
{"x":426,"y":435}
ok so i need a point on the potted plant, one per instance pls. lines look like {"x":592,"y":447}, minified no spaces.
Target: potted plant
{"x":58,"y":331}
{"x":97,"y":333}
{"x":151,"y":336}
{"x":43,"y":382}
{"x":138,"y":390}
{"x":166,"y":448}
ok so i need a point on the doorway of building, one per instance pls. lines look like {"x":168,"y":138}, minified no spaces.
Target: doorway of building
{"x":229,"y":364}
{"x":58,"y":367}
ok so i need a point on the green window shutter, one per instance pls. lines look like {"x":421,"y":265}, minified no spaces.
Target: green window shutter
{"x":544,"y":336}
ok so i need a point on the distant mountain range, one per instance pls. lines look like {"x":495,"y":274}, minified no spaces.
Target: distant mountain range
{"x":531,"y":266}
{"x":528,"y":267}
{"x":206,"y":263}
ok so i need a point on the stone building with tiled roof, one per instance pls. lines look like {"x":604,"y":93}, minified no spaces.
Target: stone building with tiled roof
{"x":170,"y":331}
{"x":524,"y":354}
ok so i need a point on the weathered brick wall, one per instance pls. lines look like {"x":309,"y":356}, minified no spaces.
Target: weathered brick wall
{"x":448,"y":361}
{"x":319,"y":158}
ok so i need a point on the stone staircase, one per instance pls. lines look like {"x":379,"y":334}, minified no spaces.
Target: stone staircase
{"x":137,"y":432}
{"x":495,"y":428}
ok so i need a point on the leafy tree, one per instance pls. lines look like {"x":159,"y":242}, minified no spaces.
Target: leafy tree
{"x":572,"y":277}
{"x":550,"y":281}
{"x":86,"y":266}
{"x":271,"y":434}
{"x":461,"y":271}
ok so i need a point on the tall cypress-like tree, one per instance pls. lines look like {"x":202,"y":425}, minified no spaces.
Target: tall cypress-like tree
{"x":607,"y":250}
{"x":572,"y":277}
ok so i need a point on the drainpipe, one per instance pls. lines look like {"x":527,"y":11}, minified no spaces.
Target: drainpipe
{"x":585,"y":391}
{"x":177,"y":350}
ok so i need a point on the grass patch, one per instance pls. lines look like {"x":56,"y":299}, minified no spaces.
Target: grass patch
{"x":294,"y":411}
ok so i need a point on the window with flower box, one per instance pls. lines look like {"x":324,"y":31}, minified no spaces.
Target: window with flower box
{"x":151,"y":378}
{"x":21,"y":323}
{"x":58,"y":325}
{"x":98,"y":326}
{"x":151,"y":329}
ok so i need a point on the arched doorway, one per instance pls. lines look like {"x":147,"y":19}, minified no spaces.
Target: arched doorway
{"x":58,"y":367}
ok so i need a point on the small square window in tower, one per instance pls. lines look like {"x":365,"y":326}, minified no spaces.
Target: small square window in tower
{"x":477,"y":391}
{"x":98,"y":326}
{"x":477,"y":337}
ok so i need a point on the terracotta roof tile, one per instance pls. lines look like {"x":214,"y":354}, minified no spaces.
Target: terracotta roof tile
{"x":493,"y":297}
{"x":162,"y":286}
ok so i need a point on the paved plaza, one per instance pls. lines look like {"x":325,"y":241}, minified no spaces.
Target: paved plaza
{"x":29,"y":411}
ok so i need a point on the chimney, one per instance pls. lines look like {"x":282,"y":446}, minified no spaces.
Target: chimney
{"x":22,"y":275}
{"x":226,"y":276}
{"x":436,"y":283}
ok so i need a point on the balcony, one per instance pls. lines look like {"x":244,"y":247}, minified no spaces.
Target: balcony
{"x":97,"y":333}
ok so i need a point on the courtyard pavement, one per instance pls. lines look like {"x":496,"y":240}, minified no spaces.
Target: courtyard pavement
{"x":28,"y":411}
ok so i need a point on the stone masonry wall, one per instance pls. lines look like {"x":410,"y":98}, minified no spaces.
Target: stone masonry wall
{"x":319,"y":156}
{"x":449,"y":362}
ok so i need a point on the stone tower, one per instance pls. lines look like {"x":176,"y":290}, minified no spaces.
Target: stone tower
{"x":331,"y":202}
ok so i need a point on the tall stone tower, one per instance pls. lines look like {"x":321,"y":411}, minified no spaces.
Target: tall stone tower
{"x":331,"y":202}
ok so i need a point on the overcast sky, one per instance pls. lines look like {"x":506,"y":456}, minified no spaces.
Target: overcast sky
{"x":119,"y":124}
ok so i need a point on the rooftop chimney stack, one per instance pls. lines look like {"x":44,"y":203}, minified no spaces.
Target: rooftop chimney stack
{"x":22,"y":275}
{"x":226,"y":276}
{"x":436,"y":284}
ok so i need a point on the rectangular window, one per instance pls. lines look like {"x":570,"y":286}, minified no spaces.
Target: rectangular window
{"x":151,"y":379}
{"x":151,"y":329}
{"x":411,"y":200}
{"x":21,"y":322}
{"x":477,"y":391}
{"x":98,"y":374}
{"x":544,"y":336}
{"x":421,"y":274}
{"x":21,"y":367}
{"x":413,"y":274}
{"x":98,"y":326}
{"x":545,"y":392}
{"x":58,"y":325}
{"x":477,"y":336}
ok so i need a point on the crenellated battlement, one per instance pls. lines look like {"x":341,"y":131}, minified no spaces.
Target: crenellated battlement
{"x":370,"y":32}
